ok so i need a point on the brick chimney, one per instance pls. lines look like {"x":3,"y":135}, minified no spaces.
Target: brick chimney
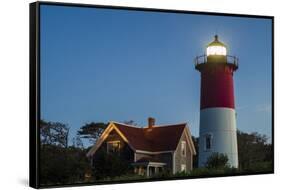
{"x":151,"y":122}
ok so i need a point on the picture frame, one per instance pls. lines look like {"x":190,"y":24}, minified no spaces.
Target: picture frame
{"x":209,"y":102}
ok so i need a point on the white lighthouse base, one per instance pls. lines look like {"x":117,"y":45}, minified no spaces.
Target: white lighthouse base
{"x":218,"y":134}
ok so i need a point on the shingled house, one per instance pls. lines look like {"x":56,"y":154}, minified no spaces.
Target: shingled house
{"x":150,"y":149}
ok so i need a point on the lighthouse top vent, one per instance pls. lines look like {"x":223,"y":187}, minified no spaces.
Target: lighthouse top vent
{"x":216,"y":48}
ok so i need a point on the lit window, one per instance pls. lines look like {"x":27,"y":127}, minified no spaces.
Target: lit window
{"x":183,"y":148}
{"x":216,"y":50}
{"x":208,"y":142}
{"x":113,"y":146}
{"x":183,"y":168}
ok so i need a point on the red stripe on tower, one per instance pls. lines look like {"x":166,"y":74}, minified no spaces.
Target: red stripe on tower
{"x":217,"y":87}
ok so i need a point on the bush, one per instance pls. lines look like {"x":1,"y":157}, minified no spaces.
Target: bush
{"x":127,"y":177}
{"x":258,"y":167}
{"x":166,"y":173}
{"x":62,"y":165}
{"x":109,"y":166}
{"x":217,"y":160}
{"x":198,"y":172}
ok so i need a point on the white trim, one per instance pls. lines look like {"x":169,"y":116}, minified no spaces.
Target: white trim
{"x":167,"y":125}
{"x":156,"y":152}
{"x":156,"y":164}
{"x":134,"y":126}
{"x":190,"y":142}
{"x":99,"y":141}
{"x":104,"y":135}
{"x":174,"y":163}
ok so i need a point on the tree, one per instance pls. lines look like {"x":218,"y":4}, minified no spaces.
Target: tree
{"x":253,"y":149}
{"x":59,"y":165}
{"x":109,"y":165}
{"x":217,"y":161}
{"x":77,"y":142}
{"x":92,"y":131}
{"x":54,"y":133}
{"x":130,"y":122}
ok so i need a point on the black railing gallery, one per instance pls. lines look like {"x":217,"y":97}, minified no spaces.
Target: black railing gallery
{"x":233,"y":60}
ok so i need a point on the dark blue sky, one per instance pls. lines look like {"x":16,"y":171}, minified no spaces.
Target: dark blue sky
{"x":103,"y":65}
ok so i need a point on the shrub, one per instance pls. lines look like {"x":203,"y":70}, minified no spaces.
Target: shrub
{"x":109,"y":166}
{"x":217,"y":160}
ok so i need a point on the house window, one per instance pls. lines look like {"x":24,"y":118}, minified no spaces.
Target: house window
{"x":183,"y":148}
{"x":113,"y":146}
{"x":183,"y":168}
{"x":208,"y":142}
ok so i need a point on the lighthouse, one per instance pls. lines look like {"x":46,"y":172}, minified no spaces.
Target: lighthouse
{"x":218,"y":133}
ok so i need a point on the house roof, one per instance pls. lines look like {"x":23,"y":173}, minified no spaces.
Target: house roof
{"x":155,"y":139}
{"x":159,"y":138}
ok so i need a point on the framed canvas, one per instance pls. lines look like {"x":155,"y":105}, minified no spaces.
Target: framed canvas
{"x":122,"y":94}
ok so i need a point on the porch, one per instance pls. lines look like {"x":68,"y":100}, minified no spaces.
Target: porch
{"x":148,"y":168}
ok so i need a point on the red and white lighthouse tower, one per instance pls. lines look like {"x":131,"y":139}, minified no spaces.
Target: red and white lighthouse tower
{"x":217,"y":109}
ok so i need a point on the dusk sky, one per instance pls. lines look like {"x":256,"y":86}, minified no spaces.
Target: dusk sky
{"x":106,"y":65}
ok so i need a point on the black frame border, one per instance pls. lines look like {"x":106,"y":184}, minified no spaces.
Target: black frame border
{"x":34,"y":95}
{"x":34,"y":89}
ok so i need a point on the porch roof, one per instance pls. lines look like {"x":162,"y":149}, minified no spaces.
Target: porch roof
{"x":148,"y":163}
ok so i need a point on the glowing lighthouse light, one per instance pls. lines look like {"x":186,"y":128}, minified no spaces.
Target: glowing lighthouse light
{"x":216,"y":48}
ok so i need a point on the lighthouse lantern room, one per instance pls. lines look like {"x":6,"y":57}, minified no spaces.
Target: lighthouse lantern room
{"x":218,"y":133}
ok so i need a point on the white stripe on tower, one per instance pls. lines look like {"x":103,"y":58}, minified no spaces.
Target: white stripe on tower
{"x":219,"y":124}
